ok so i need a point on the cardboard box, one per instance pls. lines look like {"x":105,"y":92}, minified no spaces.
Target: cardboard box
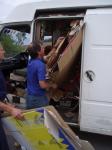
{"x":68,"y":58}
{"x":70,"y":52}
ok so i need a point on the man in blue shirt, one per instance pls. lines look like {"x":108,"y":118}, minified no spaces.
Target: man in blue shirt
{"x":5,"y":107}
{"x":36,"y":78}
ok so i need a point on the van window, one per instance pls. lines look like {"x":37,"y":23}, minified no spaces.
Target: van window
{"x":14,"y":41}
{"x":50,"y":31}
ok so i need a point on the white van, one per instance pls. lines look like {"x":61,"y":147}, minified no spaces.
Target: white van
{"x":37,"y":21}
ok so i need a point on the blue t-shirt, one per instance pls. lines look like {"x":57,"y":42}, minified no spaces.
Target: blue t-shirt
{"x":3,"y":90}
{"x":36,"y":71}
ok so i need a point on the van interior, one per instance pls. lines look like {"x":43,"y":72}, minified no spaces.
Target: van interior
{"x":61,"y":37}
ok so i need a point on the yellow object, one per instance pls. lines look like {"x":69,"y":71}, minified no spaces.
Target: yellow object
{"x":37,"y":134}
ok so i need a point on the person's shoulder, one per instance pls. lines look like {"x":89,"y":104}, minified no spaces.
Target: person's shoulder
{"x":39,"y":62}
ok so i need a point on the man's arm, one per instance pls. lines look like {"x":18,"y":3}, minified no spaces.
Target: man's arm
{"x":16,"y":113}
{"x":45,"y":85}
{"x":41,"y":74}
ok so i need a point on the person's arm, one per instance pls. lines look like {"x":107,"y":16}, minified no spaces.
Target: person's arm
{"x":15,"y":112}
{"x":42,"y":79}
{"x":44,"y":85}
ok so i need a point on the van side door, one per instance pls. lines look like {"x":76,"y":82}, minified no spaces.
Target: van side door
{"x":96,"y":76}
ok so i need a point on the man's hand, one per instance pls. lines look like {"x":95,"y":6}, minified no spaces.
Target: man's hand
{"x":53,"y":85}
{"x":17,"y":113}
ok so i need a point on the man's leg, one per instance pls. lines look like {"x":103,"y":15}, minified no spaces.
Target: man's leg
{"x":3,"y":140}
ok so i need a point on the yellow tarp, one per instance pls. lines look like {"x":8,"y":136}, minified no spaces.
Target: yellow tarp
{"x":36,"y":133}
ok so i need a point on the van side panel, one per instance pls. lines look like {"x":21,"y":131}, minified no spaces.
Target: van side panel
{"x":96,"y":83}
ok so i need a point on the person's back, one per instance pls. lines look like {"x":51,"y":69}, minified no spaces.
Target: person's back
{"x":36,"y":81}
{"x":36,"y":71}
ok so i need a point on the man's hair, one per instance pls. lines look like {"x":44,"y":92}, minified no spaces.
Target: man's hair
{"x":33,"y":50}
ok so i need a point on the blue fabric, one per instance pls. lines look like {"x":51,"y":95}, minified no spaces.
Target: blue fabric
{"x":36,"y":101}
{"x":3,"y":140}
{"x":41,"y":110}
{"x":36,"y":72}
{"x":3,"y":90}
{"x":65,"y":140}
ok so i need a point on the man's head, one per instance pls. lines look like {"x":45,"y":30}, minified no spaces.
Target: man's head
{"x":47,"y":49}
{"x":2,"y":52}
{"x":35,"y":51}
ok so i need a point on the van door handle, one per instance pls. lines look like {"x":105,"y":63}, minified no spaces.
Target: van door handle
{"x":90,"y":75}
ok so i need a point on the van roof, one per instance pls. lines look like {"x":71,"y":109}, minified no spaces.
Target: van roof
{"x":25,"y":12}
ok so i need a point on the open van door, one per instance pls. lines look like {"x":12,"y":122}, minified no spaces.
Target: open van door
{"x":96,"y":77}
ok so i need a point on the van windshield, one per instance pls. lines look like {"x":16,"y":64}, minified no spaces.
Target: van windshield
{"x":14,"y":40}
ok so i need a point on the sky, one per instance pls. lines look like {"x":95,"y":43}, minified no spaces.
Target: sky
{"x":7,"y":5}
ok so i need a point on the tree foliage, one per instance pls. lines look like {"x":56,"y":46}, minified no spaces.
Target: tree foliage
{"x":11,"y":47}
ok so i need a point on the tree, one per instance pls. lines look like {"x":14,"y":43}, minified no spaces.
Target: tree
{"x":10,"y":46}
